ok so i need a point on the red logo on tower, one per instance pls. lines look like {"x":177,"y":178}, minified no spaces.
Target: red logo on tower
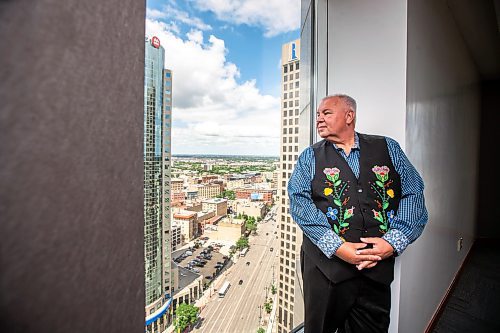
{"x":155,"y":41}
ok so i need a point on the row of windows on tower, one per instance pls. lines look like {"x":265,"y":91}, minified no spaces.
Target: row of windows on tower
{"x":291,"y":103}
{"x":290,"y":131}
{"x":290,"y":85}
{"x":287,"y":77}
{"x":290,"y":113}
{"x":290,"y":67}
{"x":291,"y":158}
{"x":291,"y":122}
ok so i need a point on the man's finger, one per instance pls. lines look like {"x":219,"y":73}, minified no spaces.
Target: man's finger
{"x":359,"y":245}
{"x":368,"y":251}
{"x":366,"y":264}
{"x":366,"y":257}
{"x":372,"y":264}
{"x":369,"y":240}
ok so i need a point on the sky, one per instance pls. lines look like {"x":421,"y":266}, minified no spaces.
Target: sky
{"x":225,"y":57}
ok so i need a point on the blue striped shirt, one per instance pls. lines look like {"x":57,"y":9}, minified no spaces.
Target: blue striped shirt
{"x":407,"y":225}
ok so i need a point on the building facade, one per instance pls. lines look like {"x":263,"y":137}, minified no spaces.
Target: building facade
{"x":188,"y":221}
{"x":288,"y":231}
{"x":219,"y":206}
{"x":157,"y":240}
{"x":254,"y":194}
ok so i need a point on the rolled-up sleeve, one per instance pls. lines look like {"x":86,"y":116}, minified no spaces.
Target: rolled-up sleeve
{"x":310,"y":219}
{"x":411,"y":216}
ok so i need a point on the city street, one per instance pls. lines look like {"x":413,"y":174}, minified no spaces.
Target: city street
{"x":239,"y":310}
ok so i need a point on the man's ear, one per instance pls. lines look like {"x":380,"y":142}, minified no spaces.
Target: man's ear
{"x":349,"y":117}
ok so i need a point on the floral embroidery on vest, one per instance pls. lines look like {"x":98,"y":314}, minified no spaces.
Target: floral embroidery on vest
{"x":336,"y":188}
{"x":384,"y":193}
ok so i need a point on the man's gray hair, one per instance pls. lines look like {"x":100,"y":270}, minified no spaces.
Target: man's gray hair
{"x":351,"y":102}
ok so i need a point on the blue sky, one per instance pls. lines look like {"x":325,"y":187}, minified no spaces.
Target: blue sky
{"x":225,"y":55}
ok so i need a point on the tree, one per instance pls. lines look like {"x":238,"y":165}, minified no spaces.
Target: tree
{"x":261,"y":330}
{"x":185,"y":315}
{"x":242,"y":243}
{"x":268,"y":307}
{"x":227,"y":194}
{"x":273,"y":289}
{"x":251,"y":227}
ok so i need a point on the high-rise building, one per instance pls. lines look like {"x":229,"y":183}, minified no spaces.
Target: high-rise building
{"x":157,"y":240}
{"x":290,"y":235}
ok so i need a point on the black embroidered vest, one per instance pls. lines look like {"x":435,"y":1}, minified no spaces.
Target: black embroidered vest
{"x":354,"y":207}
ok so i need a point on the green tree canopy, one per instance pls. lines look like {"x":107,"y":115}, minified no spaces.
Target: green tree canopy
{"x":242,"y":243}
{"x":268,"y":307}
{"x":273,"y":289}
{"x":185,"y":315}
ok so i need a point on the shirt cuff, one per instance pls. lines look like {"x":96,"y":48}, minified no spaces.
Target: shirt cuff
{"x":397,"y":239}
{"x":329,"y":243}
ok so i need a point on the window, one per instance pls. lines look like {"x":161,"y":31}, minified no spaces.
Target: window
{"x":296,"y":65}
{"x":285,"y":69}
{"x":291,"y":67}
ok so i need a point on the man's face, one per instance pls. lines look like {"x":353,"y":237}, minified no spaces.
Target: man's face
{"x":332,"y":117}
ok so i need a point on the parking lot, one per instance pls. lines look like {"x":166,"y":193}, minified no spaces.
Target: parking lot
{"x":203,"y":261}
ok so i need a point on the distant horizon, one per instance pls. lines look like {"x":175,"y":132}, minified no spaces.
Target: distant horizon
{"x":224,"y":155}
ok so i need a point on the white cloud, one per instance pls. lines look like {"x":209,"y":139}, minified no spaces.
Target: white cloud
{"x":171,"y":12}
{"x":275,"y":16}
{"x":155,"y":14}
{"x":217,"y":114}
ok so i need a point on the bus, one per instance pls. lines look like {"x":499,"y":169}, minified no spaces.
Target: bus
{"x":244,"y":252}
{"x":223,"y":289}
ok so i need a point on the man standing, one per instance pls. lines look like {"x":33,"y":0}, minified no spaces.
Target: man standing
{"x":360,"y":203}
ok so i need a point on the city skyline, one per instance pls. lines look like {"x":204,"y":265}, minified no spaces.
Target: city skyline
{"x":227,"y":66}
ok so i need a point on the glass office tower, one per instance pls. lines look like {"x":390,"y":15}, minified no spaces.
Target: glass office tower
{"x":157,"y":155}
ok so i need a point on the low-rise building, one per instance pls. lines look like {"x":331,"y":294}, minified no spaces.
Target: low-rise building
{"x":177,"y":198}
{"x":176,"y":236}
{"x":188,"y":287}
{"x":176,"y":185}
{"x":206,"y":191}
{"x":255,"y":194}
{"x":188,"y":221}
{"x":250,"y":208}
{"x":218,"y":205}
{"x":228,"y":229}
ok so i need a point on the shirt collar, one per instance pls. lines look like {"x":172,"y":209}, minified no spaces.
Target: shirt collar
{"x":355,"y":146}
